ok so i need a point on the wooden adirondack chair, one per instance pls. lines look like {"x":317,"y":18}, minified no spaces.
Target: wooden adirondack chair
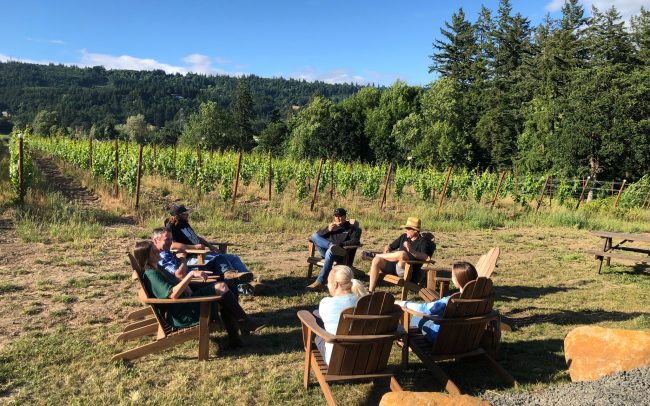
{"x":438,"y":279}
{"x":406,"y":281}
{"x":166,"y":335}
{"x":461,"y":329}
{"x":316,"y":260}
{"x":362,"y":343}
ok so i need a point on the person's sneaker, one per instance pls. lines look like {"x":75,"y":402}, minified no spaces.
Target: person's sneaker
{"x":245,"y":289}
{"x":367,"y":255}
{"x":338,"y":250}
{"x":249,"y":326}
{"x":316,"y":286}
{"x":242,"y":277}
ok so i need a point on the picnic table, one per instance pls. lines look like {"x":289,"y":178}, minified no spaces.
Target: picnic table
{"x":620,"y":250}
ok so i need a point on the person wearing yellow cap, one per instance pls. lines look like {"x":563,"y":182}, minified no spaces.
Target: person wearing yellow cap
{"x":410,"y":246}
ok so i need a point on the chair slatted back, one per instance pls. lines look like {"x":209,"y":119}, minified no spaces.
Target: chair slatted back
{"x":137,"y":276}
{"x":476,"y":299}
{"x":382,"y":317}
{"x":487,"y":262}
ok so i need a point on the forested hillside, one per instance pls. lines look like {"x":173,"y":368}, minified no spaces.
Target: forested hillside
{"x":81,"y":97}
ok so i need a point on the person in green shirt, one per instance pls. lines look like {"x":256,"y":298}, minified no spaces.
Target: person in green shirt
{"x":163,"y":285}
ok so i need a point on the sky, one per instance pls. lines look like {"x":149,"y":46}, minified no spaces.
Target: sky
{"x":364,"y":41}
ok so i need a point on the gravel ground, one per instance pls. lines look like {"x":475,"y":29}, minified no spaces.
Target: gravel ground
{"x":625,"y":388}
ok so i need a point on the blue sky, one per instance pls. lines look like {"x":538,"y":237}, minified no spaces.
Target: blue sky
{"x":333,"y":41}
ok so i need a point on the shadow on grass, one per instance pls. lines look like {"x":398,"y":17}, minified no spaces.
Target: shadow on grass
{"x":287,"y":286}
{"x":527,"y":361}
{"x":519,"y":318}
{"x":637,"y":269}
{"x":517,"y":292}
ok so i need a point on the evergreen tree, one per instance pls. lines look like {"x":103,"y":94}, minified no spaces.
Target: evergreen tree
{"x":243,"y":114}
{"x":456,"y":56}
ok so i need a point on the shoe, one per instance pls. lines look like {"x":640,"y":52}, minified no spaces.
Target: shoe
{"x":249,"y":326}
{"x":245,"y":289}
{"x":338,"y":250}
{"x":368,"y":255}
{"x":316,"y":286}
{"x":241,"y":277}
{"x":257,"y":287}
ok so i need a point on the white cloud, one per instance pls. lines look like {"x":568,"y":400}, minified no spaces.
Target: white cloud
{"x":56,"y":41}
{"x":7,"y":58}
{"x":626,"y":8}
{"x":222,"y":61}
{"x":196,"y":63}
{"x":342,"y":75}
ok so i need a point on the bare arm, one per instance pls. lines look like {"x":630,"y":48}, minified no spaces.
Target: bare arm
{"x":179,"y":288}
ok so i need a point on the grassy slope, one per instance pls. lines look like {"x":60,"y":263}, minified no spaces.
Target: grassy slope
{"x":65,"y":296}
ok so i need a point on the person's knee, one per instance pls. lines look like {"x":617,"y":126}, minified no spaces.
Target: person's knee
{"x":221,"y":287}
{"x":314,"y":236}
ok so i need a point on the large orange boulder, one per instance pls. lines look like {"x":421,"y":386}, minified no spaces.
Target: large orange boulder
{"x":593,"y":352}
{"x":429,"y":399}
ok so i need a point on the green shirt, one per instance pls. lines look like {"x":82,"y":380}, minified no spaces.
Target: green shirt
{"x":159,"y":285}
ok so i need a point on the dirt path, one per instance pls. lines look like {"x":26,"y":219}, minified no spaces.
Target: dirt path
{"x":57,"y":181}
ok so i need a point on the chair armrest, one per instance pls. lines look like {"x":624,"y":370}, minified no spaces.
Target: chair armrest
{"x":351,"y":247}
{"x":197,"y":299}
{"x":193,"y":251}
{"x":457,"y":320}
{"x":309,"y":320}
{"x":416,"y":313}
{"x":418,"y":262}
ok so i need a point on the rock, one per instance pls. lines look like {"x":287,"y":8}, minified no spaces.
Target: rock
{"x":429,"y":399}
{"x":593,"y":352}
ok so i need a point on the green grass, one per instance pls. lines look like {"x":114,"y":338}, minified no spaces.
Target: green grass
{"x":8,"y":287}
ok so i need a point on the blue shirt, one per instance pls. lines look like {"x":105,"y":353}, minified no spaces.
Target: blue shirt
{"x":168,"y":262}
{"x":428,"y":327}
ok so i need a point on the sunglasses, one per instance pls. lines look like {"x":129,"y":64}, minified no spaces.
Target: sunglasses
{"x":409,"y":228}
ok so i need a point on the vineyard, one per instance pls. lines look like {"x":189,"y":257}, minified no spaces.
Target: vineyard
{"x":212,"y":171}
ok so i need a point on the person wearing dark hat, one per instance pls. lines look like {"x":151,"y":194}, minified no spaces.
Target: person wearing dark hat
{"x":410,"y":246}
{"x":330,"y":240}
{"x":185,"y":238}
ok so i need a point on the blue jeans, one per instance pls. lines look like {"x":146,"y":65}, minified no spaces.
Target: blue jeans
{"x":225,"y":261}
{"x":323,"y":246}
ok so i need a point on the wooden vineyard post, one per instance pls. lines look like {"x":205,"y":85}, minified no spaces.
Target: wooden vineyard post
{"x":496,"y":192}
{"x":116,"y":189}
{"x":582,"y":194}
{"x":444,"y":190}
{"x":619,"y":193}
{"x":21,"y":178}
{"x":174,"y":159}
{"x":541,"y":196}
{"x":236,"y":185}
{"x":90,"y":155}
{"x":199,"y":164}
{"x":332,"y":178}
{"x":270,"y":175}
{"x":386,"y":181}
{"x":313,"y":199}
{"x":139,"y":175}
{"x":550,"y":192}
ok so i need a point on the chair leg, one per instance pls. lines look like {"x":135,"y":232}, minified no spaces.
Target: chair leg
{"x":505,"y":375}
{"x":155,"y":347}
{"x":310,"y":270}
{"x":325,"y":387}
{"x":204,"y":331}
{"x":307,"y":344}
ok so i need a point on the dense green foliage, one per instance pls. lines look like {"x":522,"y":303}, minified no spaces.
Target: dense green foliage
{"x":82,"y":97}
{"x":216,"y":172}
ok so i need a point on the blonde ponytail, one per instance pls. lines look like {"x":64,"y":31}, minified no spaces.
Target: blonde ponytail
{"x":358,"y":288}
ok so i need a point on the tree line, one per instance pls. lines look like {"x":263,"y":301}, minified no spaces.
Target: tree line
{"x":570,"y":96}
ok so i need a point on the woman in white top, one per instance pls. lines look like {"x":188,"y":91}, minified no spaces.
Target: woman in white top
{"x":344,"y":291}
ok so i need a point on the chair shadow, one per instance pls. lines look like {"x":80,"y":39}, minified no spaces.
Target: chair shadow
{"x":511,"y":293}
{"x":636,"y":269}
{"x":534,"y":361}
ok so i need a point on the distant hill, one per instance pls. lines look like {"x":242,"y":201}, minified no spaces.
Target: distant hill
{"x":85,"y":96}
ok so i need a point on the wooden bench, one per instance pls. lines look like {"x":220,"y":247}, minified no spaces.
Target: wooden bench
{"x":620,"y":251}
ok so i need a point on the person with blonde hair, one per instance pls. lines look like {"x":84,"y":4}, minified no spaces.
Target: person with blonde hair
{"x":461,"y":274}
{"x":344,"y":292}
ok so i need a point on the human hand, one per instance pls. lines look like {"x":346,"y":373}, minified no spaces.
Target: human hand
{"x":407,"y":245}
{"x":331,"y":226}
{"x":200,"y":274}
{"x":199,"y":247}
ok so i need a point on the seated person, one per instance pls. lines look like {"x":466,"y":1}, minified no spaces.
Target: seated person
{"x":162,"y":285}
{"x":176,"y":264}
{"x":184,"y":238}
{"x":344,"y":291}
{"x":330,"y":240}
{"x":461,"y":274}
{"x":410,"y":246}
